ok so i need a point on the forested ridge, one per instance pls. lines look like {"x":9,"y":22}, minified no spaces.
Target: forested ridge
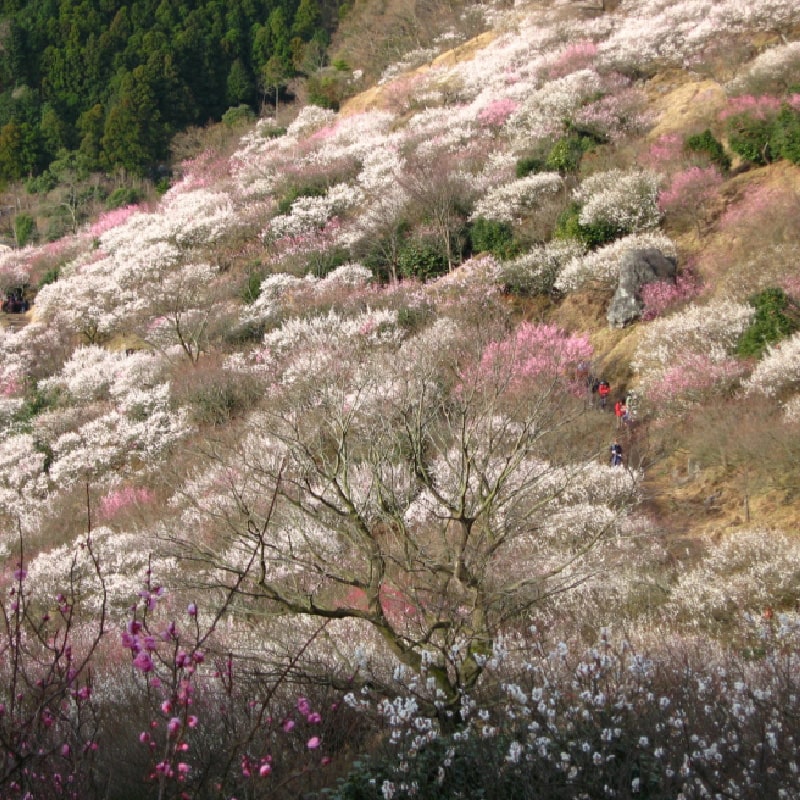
{"x":111,"y":82}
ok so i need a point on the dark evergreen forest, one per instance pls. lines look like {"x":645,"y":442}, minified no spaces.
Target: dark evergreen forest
{"x":106,"y":84}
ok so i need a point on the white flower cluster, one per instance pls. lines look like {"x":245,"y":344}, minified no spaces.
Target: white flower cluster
{"x":778,"y":370}
{"x":601,"y":267}
{"x":22,"y":479}
{"x":133,"y":435}
{"x":746,"y":570}
{"x":311,"y":118}
{"x":536,"y":271}
{"x":309,"y":214}
{"x":92,"y":373}
{"x":627,"y":200}
{"x":711,"y":330}
{"x":124,"y":557}
{"x":678,"y":32}
{"x":543,"y":111}
{"x":303,"y":348}
{"x":773,"y":70}
{"x":508,"y":202}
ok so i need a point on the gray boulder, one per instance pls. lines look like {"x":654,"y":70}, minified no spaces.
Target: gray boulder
{"x":638,"y":267}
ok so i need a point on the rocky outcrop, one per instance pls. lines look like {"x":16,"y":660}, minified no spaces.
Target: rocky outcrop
{"x":638,"y":267}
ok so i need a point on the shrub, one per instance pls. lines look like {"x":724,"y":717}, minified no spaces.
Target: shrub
{"x":492,"y":236}
{"x":238,"y":115}
{"x":535,"y":272}
{"x":749,"y":137}
{"x":785,"y":139}
{"x":566,"y":154}
{"x":122,"y":197}
{"x":50,"y":276}
{"x":222,"y":397}
{"x":295,"y":191}
{"x":252,"y":286}
{"x":528,"y":165}
{"x":24,"y":229}
{"x":707,"y":144}
{"x":776,"y":317}
{"x":422,"y":259}
{"x":592,"y":235}
{"x":618,"y":202}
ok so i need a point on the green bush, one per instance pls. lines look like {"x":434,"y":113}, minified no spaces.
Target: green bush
{"x":295,"y":191}
{"x":776,"y":317}
{"x":707,"y":144}
{"x":238,"y":115}
{"x":252,"y":286}
{"x":422,"y":259}
{"x":222,"y":397}
{"x":24,"y":229}
{"x":749,"y":137}
{"x":123,"y":196}
{"x":785,"y":139}
{"x":321,"y":262}
{"x":565,"y":155}
{"x":529,"y":165}
{"x":413,"y":318}
{"x":492,"y":236}
{"x":592,"y":236}
{"x":51,"y":276}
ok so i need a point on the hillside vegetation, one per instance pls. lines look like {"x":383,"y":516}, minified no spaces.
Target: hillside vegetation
{"x":306,"y":487}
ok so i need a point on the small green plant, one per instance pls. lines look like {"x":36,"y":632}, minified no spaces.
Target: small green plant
{"x":123,"y":196}
{"x":24,"y":229}
{"x":749,"y":137}
{"x":492,"y":236}
{"x":50,"y":276}
{"x":529,"y":165}
{"x":295,"y":191}
{"x":785,"y":139}
{"x":592,"y":236}
{"x":422,"y":259}
{"x":238,"y":115}
{"x":222,"y":397}
{"x":707,"y":144}
{"x":776,"y":317}
{"x":252,"y":285}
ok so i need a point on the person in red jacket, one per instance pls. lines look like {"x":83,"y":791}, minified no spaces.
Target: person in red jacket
{"x":603,"y":391}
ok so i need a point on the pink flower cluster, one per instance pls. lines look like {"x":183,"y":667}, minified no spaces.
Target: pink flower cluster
{"x":497,"y":112}
{"x":538,"y":351}
{"x":758,"y":106}
{"x":111,"y":219}
{"x":660,"y":296}
{"x":119,"y":499}
{"x":689,"y":189}
{"x":574,"y":57}
{"x":694,"y":377}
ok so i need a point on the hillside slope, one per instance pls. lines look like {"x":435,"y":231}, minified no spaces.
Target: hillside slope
{"x":335,"y":389}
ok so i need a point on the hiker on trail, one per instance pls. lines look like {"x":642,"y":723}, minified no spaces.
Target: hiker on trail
{"x":621,"y":412}
{"x":603,"y":390}
{"x":616,"y":454}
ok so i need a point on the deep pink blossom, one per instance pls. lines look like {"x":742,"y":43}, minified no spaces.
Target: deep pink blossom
{"x":537,"y":351}
{"x":143,"y":661}
{"x":497,"y":112}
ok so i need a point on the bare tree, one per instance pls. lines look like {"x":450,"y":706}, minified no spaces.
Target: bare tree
{"x":440,"y":192}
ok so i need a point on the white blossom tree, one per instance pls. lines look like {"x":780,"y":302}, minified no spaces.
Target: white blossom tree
{"x":424,"y":490}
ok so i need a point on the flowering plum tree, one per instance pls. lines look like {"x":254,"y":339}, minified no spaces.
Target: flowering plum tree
{"x":429,"y":492}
